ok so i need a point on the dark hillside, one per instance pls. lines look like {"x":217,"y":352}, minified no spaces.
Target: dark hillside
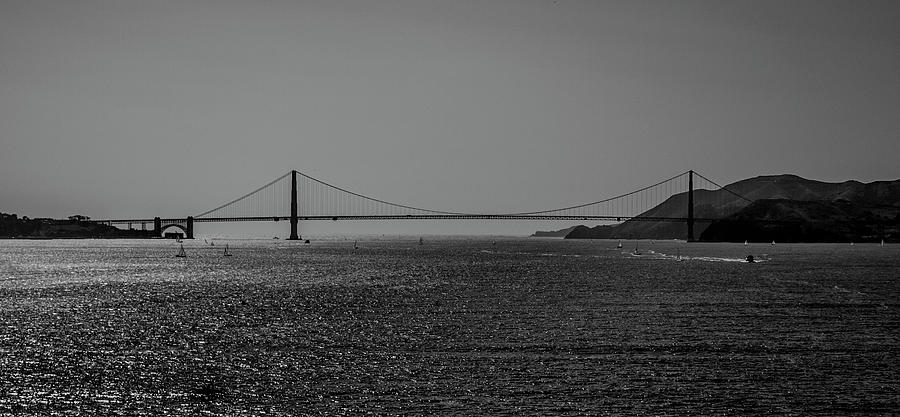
{"x":11,"y":226}
{"x":721,"y":203}
{"x":807,"y":221}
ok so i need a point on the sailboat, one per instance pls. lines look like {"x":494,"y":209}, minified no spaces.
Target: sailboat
{"x":745,"y":243}
{"x":636,"y":251}
{"x":420,"y":241}
{"x":355,"y":244}
{"x":882,"y":242}
{"x":226,"y":251}
{"x":619,"y":246}
{"x":181,"y":253}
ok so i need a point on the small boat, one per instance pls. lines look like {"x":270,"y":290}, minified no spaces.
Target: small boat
{"x":619,"y":246}
{"x":882,"y":242}
{"x":745,"y":243}
{"x":226,"y":251}
{"x":750,"y":259}
{"x":773,"y":243}
{"x":181,"y":253}
{"x":420,"y":241}
{"x":636,"y":250}
{"x":355,"y":244}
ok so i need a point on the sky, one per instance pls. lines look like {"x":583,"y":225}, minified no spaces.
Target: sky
{"x":131,"y":108}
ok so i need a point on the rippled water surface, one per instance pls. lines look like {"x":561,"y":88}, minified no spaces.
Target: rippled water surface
{"x":453,"y":326}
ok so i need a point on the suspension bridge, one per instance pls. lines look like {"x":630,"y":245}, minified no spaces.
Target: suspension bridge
{"x":296,"y":197}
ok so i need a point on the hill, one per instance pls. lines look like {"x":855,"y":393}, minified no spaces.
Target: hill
{"x":717,"y":204}
{"x":554,"y":233}
{"x":11,"y":226}
{"x":807,"y":221}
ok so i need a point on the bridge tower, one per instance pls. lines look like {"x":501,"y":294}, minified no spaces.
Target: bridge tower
{"x":294,"y":235}
{"x":157,"y":227}
{"x":190,"y":227}
{"x":690,"y":207}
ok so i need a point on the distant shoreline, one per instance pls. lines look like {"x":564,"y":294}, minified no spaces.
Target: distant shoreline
{"x":77,"y":227}
{"x":76,"y":238}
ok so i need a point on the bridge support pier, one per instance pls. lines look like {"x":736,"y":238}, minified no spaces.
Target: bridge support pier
{"x":690,"y":207}
{"x":190,"y":227}
{"x":157,"y":227}
{"x":294,"y":235}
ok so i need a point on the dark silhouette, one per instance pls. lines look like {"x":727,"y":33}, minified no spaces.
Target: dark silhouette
{"x":864,"y":212}
{"x":11,"y":226}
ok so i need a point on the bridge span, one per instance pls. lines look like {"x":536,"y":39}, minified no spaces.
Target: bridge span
{"x":303,"y":198}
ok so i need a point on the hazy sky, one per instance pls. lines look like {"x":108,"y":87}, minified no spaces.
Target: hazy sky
{"x":145,"y":108}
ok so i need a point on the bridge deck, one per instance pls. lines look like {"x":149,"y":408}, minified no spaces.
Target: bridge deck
{"x":405,"y":217}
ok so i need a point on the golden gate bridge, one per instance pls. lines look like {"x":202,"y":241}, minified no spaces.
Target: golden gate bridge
{"x":296,"y":197}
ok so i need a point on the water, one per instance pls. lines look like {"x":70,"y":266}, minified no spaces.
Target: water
{"x":453,"y":326}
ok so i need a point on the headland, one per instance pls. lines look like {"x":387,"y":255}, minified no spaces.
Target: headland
{"x":76,"y":227}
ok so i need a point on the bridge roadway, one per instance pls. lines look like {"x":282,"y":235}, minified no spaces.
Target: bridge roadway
{"x":402,"y":217}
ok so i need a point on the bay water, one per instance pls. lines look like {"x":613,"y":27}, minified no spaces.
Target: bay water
{"x":449,"y":326}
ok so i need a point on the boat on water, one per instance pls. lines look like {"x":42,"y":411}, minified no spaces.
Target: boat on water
{"x":420,"y":241}
{"x":636,"y":250}
{"x":355,"y":244}
{"x":181,"y":253}
{"x":750,"y":259}
{"x":619,"y":246}
{"x":226,"y":253}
